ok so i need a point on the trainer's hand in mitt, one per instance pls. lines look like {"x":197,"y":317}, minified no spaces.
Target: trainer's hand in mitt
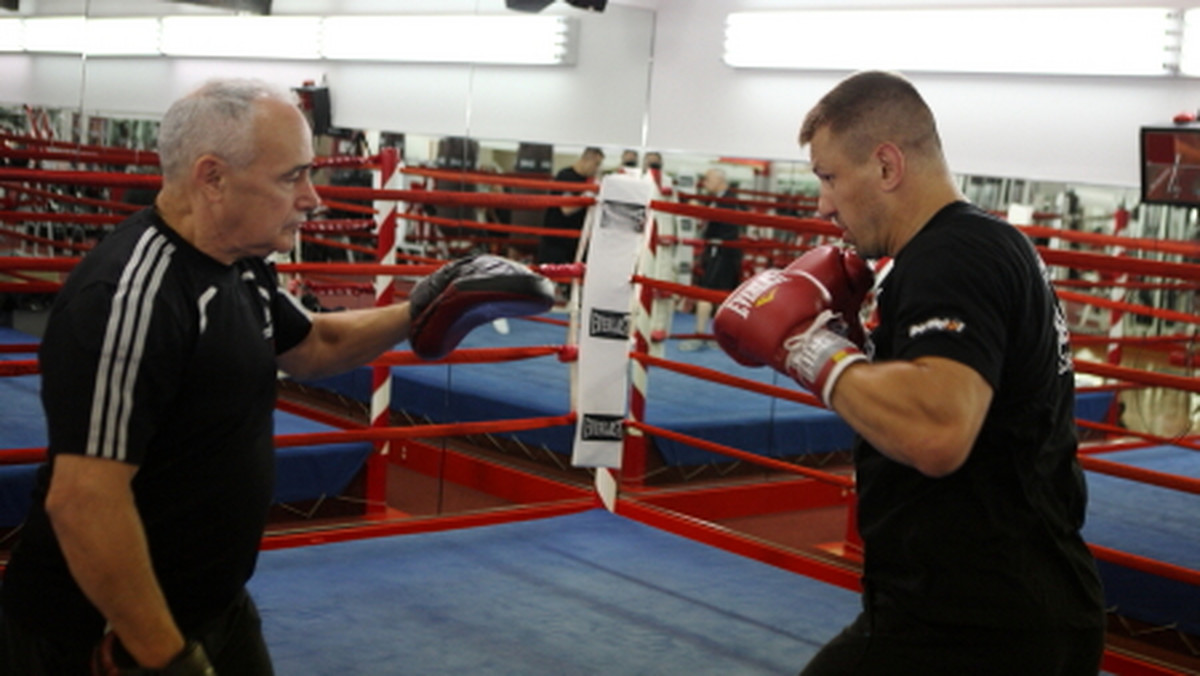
{"x":461,"y":295}
{"x":110,"y":659}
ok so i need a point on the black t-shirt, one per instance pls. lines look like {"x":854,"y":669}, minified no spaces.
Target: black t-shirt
{"x":159,"y":356}
{"x":721,"y":266}
{"x":553,"y":249}
{"x":719,"y":229}
{"x":555,"y":218}
{"x":997,"y":542}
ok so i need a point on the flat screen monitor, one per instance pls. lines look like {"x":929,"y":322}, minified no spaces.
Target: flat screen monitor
{"x":1170,"y":158}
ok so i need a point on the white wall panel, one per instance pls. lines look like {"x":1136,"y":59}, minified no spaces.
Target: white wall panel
{"x":403,"y":98}
{"x":601,"y":100}
{"x":1072,"y":129}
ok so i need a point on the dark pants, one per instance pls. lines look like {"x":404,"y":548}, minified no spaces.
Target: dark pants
{"x":721,"y":268}
{"x":233,"y":641}
{"x":556,"y":250}
{"x":955,"y":651}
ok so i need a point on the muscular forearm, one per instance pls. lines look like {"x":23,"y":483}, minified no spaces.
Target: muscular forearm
{"x":924,"y":413}
{"x":105,"y":546}
{"x":341,"y":341}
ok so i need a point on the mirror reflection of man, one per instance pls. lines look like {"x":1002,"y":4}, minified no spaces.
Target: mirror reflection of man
{"x":562,"y":249}
{"x":720,"y":262}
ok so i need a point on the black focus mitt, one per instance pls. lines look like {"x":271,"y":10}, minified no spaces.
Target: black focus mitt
{"x":461,"y":295}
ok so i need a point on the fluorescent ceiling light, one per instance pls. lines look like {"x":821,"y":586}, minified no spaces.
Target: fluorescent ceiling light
{"x":502,"y":39}
{"x":1189,"y":61}
{"x":64,"y":35}
{"x":122,"y":37}
{"x":242,"y":36}
{"x":1085,"y":41}
{"x":531,"y":40}
{"x":12,"y":35}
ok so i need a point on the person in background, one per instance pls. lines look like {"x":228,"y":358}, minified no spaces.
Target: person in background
{"x":629,"y":159}
{"x":553,"y":249}
{"x":720,"y":263}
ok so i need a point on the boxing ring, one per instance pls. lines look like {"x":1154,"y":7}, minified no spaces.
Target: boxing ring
{"x":587,"y":593}
{"x":730,"y":416}
{"x":533,"y":576}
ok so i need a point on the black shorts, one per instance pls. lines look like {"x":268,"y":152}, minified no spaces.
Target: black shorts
{"x":953,"y":651}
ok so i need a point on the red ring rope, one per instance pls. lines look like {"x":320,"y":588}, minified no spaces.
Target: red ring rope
{"x":501,"y":180}
{"x":479,"y":355}
{"x":1141,"y":475}
{"x":806,"y":226}
{"x":70,"y":199}
{"x":754,"y":458}
{"x":790,"y":394}
{"x":1181,"y":442}
{"x":1169,"y":315}
{"x":423,"y":431}
{"x":1137,"y":376}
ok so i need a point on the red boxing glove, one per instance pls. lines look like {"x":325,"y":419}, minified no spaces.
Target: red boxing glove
{"x":459,"y":296}
{"x":848,"y":279}
{"x":802,"y":321}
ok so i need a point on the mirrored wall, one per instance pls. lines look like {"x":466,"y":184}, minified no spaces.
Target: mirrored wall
{"x":527,"y":120}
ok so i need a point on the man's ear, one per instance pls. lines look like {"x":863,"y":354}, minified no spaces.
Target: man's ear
{"x":892,"y":165}
{"x":208,"y":176}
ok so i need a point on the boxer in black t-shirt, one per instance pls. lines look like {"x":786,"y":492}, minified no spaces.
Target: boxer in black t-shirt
{"x":970,"y":498}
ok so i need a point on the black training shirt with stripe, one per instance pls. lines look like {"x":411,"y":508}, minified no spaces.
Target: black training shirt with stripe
{"x":159,"y":356}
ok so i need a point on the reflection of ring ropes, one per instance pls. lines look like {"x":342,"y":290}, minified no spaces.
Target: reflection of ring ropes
{"x":47,"y":211}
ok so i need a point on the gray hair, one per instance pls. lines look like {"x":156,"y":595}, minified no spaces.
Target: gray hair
{"x":217,"y":119}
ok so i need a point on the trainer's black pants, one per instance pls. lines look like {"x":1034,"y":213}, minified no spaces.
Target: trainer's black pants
{"x":233,"y":641}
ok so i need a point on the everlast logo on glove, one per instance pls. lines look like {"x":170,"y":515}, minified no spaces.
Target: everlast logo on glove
{"x":747,"y":296}
{"x":609,"y":324}
{"x":602,"y":427}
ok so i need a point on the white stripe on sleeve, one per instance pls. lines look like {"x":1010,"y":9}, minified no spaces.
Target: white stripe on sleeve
{"x":124,"y":345}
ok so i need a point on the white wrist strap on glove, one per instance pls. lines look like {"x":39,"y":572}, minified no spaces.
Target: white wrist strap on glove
{"x":818,"y":356}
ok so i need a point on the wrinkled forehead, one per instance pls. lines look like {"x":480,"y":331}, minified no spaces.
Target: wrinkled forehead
{"x":282,"y":125}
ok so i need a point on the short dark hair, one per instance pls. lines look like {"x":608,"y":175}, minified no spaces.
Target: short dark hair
{"x":874,"y":107}
{"x":593,"y":151}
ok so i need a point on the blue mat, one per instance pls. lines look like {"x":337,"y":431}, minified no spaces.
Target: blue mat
{"x":303,"y":473}
{"x":1149,"y":521}
{"x":585,"y":594}
{"x":539,"y":387}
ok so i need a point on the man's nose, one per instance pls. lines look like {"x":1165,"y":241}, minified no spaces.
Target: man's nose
{"x":825,"y":207}
{"x":308,"y":199}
